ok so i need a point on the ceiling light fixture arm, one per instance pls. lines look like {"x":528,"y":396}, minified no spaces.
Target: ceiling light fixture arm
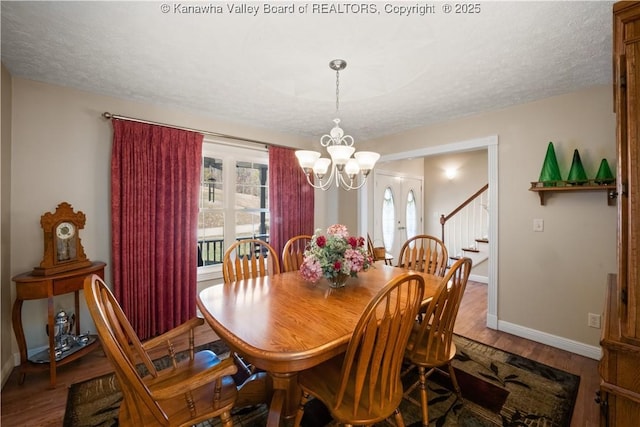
{"x":347,"y":183}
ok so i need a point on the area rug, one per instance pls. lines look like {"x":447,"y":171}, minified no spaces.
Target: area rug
{"x":498,"y":389}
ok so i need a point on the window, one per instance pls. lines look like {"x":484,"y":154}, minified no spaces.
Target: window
{"x":411,"y":213}
{"x":234,"y":200}
{"x":388,"y":219}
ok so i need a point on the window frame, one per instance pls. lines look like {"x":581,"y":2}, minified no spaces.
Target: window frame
{"x":229,"y":153}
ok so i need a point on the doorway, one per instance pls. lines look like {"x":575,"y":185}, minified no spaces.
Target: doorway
{"x":398,"y":210}
{"x":490,"y":143}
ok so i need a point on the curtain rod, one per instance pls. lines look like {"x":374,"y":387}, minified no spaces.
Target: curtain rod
{"x":109,"y":116}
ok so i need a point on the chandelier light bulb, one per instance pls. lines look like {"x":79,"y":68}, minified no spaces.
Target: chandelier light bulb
{"x":307,"y":158}
{"x":366,"y":160}
{"x":321,"y":167}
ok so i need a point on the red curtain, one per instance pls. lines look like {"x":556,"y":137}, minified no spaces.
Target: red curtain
{"x":155,"y":178}
{"x":291,"y":198}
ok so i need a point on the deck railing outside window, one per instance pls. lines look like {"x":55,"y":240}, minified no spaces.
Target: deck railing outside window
{"x":210,"y":252}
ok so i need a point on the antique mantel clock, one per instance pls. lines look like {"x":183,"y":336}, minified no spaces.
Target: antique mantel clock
{"x":62,"y":246}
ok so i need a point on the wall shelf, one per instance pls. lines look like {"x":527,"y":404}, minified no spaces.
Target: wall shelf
{"x":561,"y":186}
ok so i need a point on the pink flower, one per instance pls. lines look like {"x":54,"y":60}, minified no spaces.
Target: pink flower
{"x":355,"y":259}
{"x":311,"y":270}
{"x":338,"y":230}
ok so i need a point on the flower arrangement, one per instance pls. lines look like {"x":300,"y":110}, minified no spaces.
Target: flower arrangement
{"x":334,"y":255}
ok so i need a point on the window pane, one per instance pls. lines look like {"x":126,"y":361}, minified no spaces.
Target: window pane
{"x":252,"y":225}
{"x":251,"y":186}
{"x":412,"y":225}
{"x":210,"y":237}
{"x":388,"y":219}
{"x":211,"y":195}
{"x":252,"y":210}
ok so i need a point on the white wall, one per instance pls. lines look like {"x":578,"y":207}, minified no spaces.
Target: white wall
{"x":547,"y":282}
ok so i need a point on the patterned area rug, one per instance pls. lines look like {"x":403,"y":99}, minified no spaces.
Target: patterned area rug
{"x":498,"y":389}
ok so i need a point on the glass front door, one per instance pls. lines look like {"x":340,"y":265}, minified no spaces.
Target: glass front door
{"x":397,"y":210}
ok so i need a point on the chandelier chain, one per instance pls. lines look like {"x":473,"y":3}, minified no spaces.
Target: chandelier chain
{"x":337,"y":90}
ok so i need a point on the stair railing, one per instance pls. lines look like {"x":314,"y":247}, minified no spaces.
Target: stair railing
{"x":466,"y":223}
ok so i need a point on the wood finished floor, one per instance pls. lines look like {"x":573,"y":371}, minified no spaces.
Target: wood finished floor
{"x":34,"y":404}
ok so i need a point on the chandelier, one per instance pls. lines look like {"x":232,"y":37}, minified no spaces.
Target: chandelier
{"x":345,"y":169}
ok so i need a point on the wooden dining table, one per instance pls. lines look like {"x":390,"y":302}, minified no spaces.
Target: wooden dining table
{"x":283,"y":324}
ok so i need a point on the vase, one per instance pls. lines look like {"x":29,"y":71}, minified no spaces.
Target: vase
{"x":339,"y":281}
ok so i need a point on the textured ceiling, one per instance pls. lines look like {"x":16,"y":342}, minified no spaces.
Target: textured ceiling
{"x":271,"y":70}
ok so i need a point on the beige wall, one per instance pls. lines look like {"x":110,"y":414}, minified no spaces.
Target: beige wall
{"x":61,"y":151}
{"x":6,"y":361}
{"x":547,"y":282}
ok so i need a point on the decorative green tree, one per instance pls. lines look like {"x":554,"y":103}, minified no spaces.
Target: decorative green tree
{"x":577,"y":175}
{"x":550,"y":173}
{"x":604,"y":175}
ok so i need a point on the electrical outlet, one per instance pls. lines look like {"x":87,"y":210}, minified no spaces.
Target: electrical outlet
{"x":594,"y":321}
{"x":538,"y":224}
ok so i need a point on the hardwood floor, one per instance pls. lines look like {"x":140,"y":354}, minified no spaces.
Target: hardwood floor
{"x":33,"y":404}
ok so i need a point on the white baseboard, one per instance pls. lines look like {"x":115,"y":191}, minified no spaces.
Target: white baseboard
{"x":481,"y":279}
{"x":576,"y":347}
{"x":492,"y":321}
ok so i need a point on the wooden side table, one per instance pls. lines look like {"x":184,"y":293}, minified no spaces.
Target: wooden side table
{"x":30,"y":287}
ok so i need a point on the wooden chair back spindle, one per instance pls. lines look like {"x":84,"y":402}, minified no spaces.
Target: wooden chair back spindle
{"x":259,"y":260}
{"x":293,"y":252}
{"x":424,"y":253}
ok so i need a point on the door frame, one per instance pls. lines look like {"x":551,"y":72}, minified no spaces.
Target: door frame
{"x":490,"y":143}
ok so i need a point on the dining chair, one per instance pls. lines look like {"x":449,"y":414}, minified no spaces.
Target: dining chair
{"x":293,"y":252}
{"x":189,"y":391}
{"x":431,"y":343}
{"x":424,"y":253}
{"x":249,"y":258}
{"x":378,"y":253}
{"x":363,"y":385}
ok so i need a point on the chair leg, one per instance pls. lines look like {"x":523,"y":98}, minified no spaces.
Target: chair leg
{"x":225,"y":419}
{"x":303,"y":400}
{"x":398,"y":417}
{"x":423,"y":396}
{"x":454,"y":380}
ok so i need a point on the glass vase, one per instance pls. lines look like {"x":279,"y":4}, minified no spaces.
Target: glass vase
{"x":339,"y":281}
